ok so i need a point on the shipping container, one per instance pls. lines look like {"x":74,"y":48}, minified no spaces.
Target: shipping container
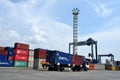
{"x":3,"y":52}
{"x":91,"y":67}
{"x":77,"y":60}
{"x":20,"y":64}
{"x":10,"y":58}
{"x":55,"y":57}
{"x":21,"y":52}
{"x":40,"y":53}
{"x":21,"y":46}
{"x":20,"y":58}
{"x":6,"y":63}
{"x":99,"y":66}
{"x":30,"y":64}
{"x":38,"y":64}
{"x":31,"y":58}
{"x":31,"y":52}
{"x":2,"y":48}
{"x":10,"y":51}
{"x":3,"y":58}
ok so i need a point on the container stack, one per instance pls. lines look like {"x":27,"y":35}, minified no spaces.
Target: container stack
{"x":6,"y":59}
{"x":21,"y":55}
{"x":40,"y":59}
{"x":31,"y":59}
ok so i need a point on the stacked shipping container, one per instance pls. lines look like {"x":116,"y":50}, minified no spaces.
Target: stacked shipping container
{"x":31,"y":58}
{"x":21,"y":55}
{"x":6,"y":57}
{"x":39,"y":57}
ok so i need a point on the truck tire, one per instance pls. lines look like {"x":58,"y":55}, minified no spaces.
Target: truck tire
{"x":78,"y":69}
{"x":61,"y":68}
{"x":50,"y":68}
{"x":73,"y":69}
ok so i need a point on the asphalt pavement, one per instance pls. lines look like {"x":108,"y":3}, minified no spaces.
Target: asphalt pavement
{"x":29,"y":74}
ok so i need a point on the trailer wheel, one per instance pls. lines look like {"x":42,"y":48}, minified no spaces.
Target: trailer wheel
{"x":78,"y":69}
{"x":73,"y":69}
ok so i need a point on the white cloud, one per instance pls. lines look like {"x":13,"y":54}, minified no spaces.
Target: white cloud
{"x":40,"y":31}
{"x":101,"y":9}
{"x":108,"y":42}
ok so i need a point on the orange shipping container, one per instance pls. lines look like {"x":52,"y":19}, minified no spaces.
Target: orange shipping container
{"x":91,"y":67}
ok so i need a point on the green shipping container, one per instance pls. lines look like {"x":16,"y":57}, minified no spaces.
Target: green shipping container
{"x":20,"y":64}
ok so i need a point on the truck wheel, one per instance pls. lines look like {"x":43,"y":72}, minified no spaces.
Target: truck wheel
{"x":61,"y":69}
{"x":49,"y":68}
{"x":85,"y":69}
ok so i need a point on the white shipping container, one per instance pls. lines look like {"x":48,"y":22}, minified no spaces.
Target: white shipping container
{"x":37,"y":64}
{"x":31,"y":58}
{"x":30,"y":64}
{"x":99,"y":66}
{"x":31,"y":52}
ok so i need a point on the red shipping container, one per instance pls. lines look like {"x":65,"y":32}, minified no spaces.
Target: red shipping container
{"x":77,"y":60}
{"x":21,"y":46}
{"x":10,"y":58}
{"x":2,"y":48}
{"x":40,"y":53}
{"x":2,"y":52}
{"x":20,"y":58}
{"x":21,"y":52}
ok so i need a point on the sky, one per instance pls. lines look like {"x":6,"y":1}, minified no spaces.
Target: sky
{"x":48,"y":24}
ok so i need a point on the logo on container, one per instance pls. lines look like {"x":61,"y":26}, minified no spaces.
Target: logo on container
{"x":63,"y":58}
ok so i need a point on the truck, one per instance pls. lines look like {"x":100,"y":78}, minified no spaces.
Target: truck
{"x":58,"y":60}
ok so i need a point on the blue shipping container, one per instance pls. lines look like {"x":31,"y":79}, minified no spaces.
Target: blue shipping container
{"x":54,"y":57}
{"x":6,"y":64}
{"x":10,"y":51}
{"x":3,"y":57}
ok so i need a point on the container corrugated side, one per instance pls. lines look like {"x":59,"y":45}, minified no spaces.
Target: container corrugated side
{"x":21,"y":46}
{"x":2,"y":48}
{"x":40,"y":53}
{"x":21,"y":52}
{"x":3,"y":52}
{"x":20,"y":64}
{"x":6,"y":63}
{"x":10,"y":51}
{"x":20,"y":58}
{"x":31,"y":58}
{"x":30,"y":64}
{"x":77,"y":60}
{"x":38,"y":64}
{"x":3,"y":57}
{"x":99,"y":66}
{"x":55,"y":57}
{"x":31,"y":52}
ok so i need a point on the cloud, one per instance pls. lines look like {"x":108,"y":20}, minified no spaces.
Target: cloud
{"x":25,"y":25}
{"x":101,"y":9}
{"x":108,"y":42}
